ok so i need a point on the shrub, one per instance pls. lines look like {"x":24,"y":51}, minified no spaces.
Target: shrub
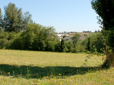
{"x":3,"y":43}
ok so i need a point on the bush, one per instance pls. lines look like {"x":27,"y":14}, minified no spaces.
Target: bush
{"x":96,"y":44}
{"x":3,"y":43}
{"x":51,"y":46}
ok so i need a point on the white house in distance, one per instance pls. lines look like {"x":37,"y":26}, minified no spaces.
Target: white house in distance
{"x":60,"y":36}
{"x":68,"y":36}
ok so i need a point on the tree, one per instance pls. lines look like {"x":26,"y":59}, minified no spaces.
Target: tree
{"x":14,"y":19}
{"x":19,"y":22}
{"x":26,"y":19}
{"x":58,"y":46}
{"x":1,"y":20}
{"x":3,"y":43}
{"x":62,"y":45}
{"x":88,"y":44}
{"x":97,"y":42}
{"x":10,"y":17}
{"x":36,"y":37}
{"x":104,"y":8}
{"x":75,"y":38}
{"x":69,"y":45}
{"x":4,"y":39}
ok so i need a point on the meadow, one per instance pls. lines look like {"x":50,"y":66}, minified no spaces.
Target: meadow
{"x":50,"y":68}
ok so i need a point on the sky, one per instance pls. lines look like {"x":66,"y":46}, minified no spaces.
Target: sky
{"x":63,"y":15}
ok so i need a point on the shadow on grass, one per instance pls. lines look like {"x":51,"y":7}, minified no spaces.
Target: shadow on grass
{"x":40,"y":72}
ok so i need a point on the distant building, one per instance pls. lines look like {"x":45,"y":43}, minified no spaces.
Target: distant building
{"x":69,"y":35}
{"x":60,"y":36}
{"x":86,"y":31}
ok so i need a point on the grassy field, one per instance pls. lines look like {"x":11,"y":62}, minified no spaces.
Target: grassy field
{"x":47,"y":68}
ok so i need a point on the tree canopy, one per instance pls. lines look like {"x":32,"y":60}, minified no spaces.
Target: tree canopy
{"x":104,"y":8}
{"x":76,"y":37}
{"x":14,"y":19}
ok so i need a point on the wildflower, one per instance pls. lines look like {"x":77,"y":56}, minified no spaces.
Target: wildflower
{"x":8,"y":73}
{"x":95,"y":65}
{"x":76,"y":83}
{"x":59,"y":74}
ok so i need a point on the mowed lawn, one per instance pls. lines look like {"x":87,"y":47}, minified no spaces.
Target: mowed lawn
{"x":50,"y":68}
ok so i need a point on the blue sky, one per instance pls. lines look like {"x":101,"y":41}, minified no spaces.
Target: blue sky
{"x":63,"y":15}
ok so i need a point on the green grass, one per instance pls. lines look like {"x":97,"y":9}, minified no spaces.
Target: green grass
{"x":47,"y":68}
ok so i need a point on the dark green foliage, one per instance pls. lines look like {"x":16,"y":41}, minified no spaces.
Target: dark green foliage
{"x":51,"y":46}
{"x":88,"y":45}
{"x":17,"y":44}
{"x":36,"y":37}
{"x":11,"y":35}
{"x":32,"y":36}
{"x":69,"y":46}
{"x":104,"y":8}
{"x":65,"y":49}
{"x":14,"y":20}
{"x":80,"y":47}
{"x":62,"y":45}
{"x":75,"y":38}
{"x":95,"y":42}
{"x":10,"y":17}
{"x":4,"y":35}
{"x":3,"y":43}
{"x":6,"y":39}
{"x":58,"y":47}
{"x":84,"y":45}
{"x":111,"y":39}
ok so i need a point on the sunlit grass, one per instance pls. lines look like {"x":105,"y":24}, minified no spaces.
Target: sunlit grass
{"x":47,"y":68}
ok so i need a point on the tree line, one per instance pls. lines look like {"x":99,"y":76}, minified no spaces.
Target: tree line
{"x":41,"y":38}
{"x":18,"y":31}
